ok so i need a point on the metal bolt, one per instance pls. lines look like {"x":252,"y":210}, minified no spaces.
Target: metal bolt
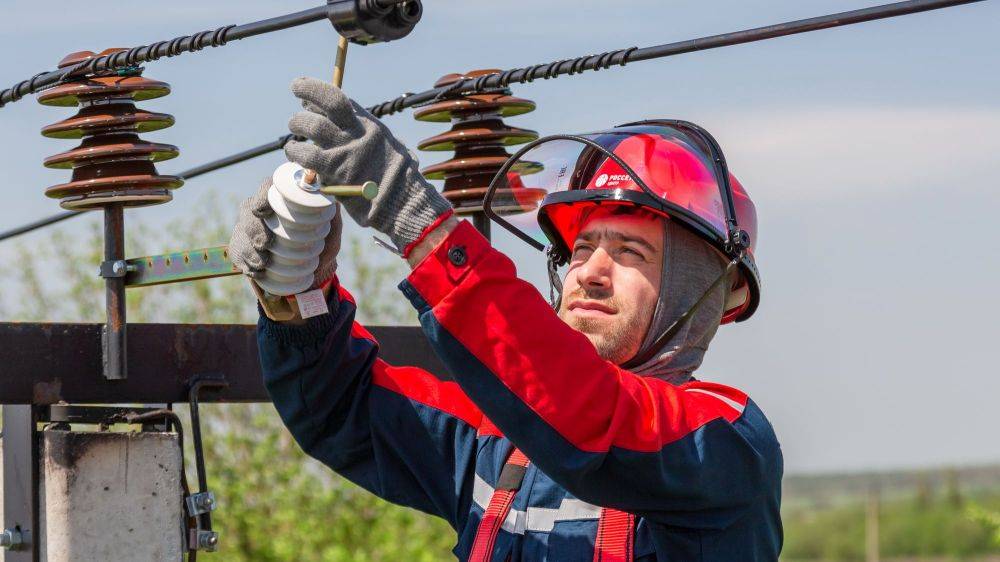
{"x":306,"y":179}
{"x":207,"y":502}
{"x":208,"y":540}
{"x":10,"y":539}
{"x":118,"y":267}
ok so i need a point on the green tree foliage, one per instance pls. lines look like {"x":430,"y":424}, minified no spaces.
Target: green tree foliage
{"x":990,"y":520}
{"x":276,"y":504}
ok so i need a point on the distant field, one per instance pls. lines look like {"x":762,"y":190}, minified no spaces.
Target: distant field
{"x":943,"y":515}
{"x":837,"y":488}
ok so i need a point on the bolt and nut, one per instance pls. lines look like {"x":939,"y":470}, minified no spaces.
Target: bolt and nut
{"x":10,"y":538}
{"x":208,"y":540}
{"x":206,"y":502}
{"x":118,"y":269}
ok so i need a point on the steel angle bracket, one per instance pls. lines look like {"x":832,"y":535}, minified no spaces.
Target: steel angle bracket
{"x":177,"y":267}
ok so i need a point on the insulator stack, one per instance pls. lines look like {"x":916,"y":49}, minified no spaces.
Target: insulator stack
{"x":112,"y":165}
{"x":478,"y":136}
{"x":300,"y":223}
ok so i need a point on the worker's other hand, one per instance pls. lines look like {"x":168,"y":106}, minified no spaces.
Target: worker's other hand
{"x":350,"y":146}
{"x":251,"y":240}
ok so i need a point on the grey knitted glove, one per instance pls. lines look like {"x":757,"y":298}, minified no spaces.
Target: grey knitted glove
{"x":248,"y":247}
{"x":352,"y":146}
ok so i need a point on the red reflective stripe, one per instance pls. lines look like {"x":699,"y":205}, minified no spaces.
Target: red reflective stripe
{"x":615,"y":537}
{"x":496,"y":512}
{"x":423,"y":387}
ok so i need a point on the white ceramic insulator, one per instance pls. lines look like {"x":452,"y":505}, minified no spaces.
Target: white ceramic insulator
{"x":300,"y":224}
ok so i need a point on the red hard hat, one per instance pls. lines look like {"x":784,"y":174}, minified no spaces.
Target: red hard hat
{"x":678,"y":164}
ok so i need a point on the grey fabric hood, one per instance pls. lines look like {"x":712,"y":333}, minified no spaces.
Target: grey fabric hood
{"x":690,"y":266}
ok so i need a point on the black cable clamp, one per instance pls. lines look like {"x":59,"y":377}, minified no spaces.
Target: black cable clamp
{"x":374,"y":21}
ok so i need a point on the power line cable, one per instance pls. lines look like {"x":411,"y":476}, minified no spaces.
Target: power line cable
{"x":606,"y":60}
{"x":171,"y":48}
{"x":339,"y":14}
{"x":622,"y":57}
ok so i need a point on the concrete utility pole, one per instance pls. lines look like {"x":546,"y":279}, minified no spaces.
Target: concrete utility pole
{"x":109,"y":497}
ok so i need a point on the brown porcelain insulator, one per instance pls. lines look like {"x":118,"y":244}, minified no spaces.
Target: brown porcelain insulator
{"x":112,"y":165}
{"x":478,"y":136}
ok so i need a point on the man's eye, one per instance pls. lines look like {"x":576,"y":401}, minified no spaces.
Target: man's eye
{"x":632,"y":252}
{"x":582,"y":249}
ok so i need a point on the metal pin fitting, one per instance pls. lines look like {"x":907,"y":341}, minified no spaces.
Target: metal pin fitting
{"x":309,"y":181}
{"x":309,"y":176}
{"x":368,"y":190}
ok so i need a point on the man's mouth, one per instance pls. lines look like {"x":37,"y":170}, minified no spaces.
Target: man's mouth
{"x":591,"y":308}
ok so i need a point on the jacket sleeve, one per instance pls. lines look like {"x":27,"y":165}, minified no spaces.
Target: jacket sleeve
{"x":696,"y":455}
{"x":399,"y":432}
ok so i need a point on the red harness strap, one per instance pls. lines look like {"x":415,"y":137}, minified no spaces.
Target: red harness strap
{"x":503,"y":496}
{"x":615,"y":530}
{"x":615,"y":537}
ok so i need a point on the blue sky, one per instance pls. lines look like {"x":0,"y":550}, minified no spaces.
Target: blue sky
{"x":871,"y":152}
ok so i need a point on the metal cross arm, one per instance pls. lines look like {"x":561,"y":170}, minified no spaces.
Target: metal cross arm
{"x":48,"y":363}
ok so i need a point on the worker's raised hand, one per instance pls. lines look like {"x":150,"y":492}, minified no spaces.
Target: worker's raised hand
{"x":249,"y":247}
{"x":350,"y":146}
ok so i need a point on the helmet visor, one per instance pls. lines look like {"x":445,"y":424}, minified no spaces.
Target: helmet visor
{"x":664,"y":168}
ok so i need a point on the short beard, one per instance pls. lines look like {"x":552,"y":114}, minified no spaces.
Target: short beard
{"x":617,"y":342}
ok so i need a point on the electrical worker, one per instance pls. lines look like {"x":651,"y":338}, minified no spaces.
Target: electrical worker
{"x":574,"y":434}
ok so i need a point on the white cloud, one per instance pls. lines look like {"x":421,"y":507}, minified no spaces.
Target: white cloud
{"x":809,"y":154}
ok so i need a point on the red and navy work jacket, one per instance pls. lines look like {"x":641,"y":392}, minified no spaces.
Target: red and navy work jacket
{"x":697,"y":465}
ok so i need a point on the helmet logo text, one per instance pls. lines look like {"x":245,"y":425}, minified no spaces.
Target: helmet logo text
{"x":611,"y":180}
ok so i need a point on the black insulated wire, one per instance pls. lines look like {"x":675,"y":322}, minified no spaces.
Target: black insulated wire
{"x":169,"y":48}
{"x":622,"y":57}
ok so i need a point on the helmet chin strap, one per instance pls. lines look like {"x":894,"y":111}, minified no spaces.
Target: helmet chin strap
{"x":681,"y":321}
{"x":555,"y":283}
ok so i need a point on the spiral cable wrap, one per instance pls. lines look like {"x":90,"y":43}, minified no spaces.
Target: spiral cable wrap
{"x":501,"y":80}
{"x":152,"y":52}
{"x":21,"y":88}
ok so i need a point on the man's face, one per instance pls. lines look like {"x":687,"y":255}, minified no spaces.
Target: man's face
{"x":613,"y":281}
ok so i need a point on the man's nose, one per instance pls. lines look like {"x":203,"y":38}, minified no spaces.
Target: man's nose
{"x":596,"y":271}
